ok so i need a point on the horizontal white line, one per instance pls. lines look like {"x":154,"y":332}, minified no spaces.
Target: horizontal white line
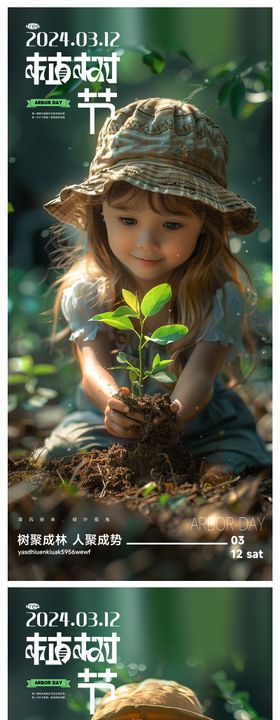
{"x":177,"y":543}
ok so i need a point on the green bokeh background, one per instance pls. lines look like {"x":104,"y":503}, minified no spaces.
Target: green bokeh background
{"x":182,"y":634}
{"x":46,"y":155}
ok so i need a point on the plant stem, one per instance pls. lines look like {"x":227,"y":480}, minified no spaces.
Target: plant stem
{"x":140,"y":357}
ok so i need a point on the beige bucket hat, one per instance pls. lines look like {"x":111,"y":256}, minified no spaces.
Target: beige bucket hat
{"x":151,"y":700}
{"x":165,"y":146}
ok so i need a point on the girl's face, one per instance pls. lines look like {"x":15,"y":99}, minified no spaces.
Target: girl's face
{"x":150,"y":243}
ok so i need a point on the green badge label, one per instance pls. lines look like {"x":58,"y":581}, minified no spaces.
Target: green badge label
{"x":48,"y":102}
{"x":40,"y":682}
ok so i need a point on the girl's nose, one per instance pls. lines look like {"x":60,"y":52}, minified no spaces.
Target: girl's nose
{"x":147,"y":238}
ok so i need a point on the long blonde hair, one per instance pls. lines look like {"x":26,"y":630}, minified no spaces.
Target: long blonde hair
{"x":196,"y":280}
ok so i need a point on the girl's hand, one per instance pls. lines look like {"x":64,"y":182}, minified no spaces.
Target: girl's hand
{"x":117,"y":421}
{"x":175,"y":407}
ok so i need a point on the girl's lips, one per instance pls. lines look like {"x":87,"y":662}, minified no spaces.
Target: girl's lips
{"x":144,"y":260}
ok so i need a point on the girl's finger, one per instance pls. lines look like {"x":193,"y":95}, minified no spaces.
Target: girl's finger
{"x":126,"y":432}
{"x":119,"y":419}
{"x":137,"y":417}
{"x":116,"y":404}
{"x":119,"y":406}
{"x":175,"y":406}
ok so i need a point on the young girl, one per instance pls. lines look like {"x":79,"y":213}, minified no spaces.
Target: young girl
{"x":157,"y":209}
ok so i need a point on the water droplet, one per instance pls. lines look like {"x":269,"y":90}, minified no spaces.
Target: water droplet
{"x":235,"y":245}
{"x":246,"y":251}
{"x":185,"y":74}
{"x":45,"y":233}
{"x":264,"y":235}
{"x":191,"y":661}
{"x":69,"y":148}
{"x":12,"y":160}
{"x":86,"y":163}
{"x":241,"y":715}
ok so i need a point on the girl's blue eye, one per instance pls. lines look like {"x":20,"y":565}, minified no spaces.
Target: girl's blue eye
{"x":172,"y":225}
{"x":127,"y":221}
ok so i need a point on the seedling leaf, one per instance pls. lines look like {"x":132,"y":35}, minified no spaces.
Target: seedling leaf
{"x":121,"y":323}
{"x":165,"y":377}
{"x":156,"y":360}
{"x":124,"y":310}
{"x":155,"y":299}
{"x":121,"y":357}
{"x":168,"y":333}
{"x":131,"y":300}
{"x":160,"y":365}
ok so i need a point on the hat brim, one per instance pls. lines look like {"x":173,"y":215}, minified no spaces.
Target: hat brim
{"x":71,"y":205}
{"x":153,"y":712}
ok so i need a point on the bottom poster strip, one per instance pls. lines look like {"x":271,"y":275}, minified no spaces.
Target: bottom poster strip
{"x":139,"y":653}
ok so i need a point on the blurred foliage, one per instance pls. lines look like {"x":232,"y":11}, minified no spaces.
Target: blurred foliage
{"x":25,"y":373}
{"x":77,"y":704}
{"x":33,"y":382}
{"x":240,"y":87}
{"x":237,"y":703}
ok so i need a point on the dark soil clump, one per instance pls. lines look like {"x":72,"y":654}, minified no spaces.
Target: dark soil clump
{"x":158,"y":455}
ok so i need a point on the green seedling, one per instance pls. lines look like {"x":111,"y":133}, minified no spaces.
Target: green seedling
{"x":151,"y":304}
